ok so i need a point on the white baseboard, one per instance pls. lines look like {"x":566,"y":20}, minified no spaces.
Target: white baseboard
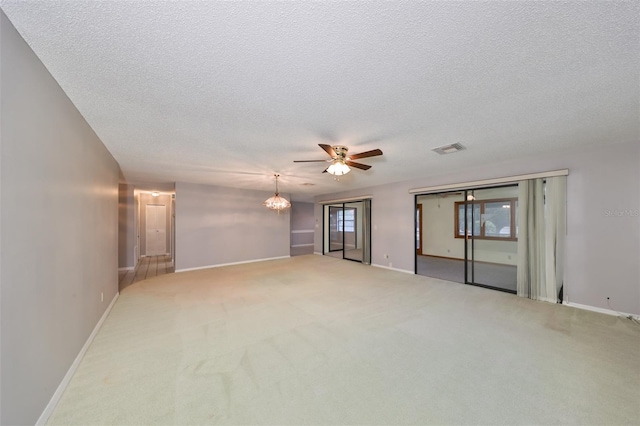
{"x":318,"y":253}
{"x":229,"y":264}
{"x":48,"y":410}
{"x":600,"y":310}
{"x":128,"y":268}
{"x":302,"y":245}
{"x":393,"y":269}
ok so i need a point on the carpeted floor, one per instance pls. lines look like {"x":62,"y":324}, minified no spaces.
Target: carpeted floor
{"x":318,"y":340}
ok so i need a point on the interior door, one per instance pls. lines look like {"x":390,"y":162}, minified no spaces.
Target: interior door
{"x":156,"y":231}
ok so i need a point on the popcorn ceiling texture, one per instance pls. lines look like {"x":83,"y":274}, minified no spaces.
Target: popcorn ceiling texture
{"x":226,"y":93}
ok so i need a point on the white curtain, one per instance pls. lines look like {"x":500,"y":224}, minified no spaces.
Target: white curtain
{"x":556,"y":226}
{"x":541,"y":230}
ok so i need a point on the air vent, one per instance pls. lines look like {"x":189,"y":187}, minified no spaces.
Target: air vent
{"x":307,"y":184}
{"x":449,"y":149}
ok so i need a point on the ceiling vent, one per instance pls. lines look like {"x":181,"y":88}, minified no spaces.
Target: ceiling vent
{"x":449,"y":149}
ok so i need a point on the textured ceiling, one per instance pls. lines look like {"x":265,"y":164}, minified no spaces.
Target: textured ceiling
{"x":227,"y":93}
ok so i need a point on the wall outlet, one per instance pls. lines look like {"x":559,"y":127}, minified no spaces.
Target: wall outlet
{"x":102,"y":297}
{"x":448,"y":250}
{"x":386,"y":256}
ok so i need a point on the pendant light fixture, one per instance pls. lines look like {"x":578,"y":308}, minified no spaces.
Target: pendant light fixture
{"x":277,"y":202}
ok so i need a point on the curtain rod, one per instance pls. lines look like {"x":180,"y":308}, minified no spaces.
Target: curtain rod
{"x":487,"y":182}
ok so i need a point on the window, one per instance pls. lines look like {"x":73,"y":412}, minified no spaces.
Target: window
{"x":349,"y":221}
{"x":492,"y":219}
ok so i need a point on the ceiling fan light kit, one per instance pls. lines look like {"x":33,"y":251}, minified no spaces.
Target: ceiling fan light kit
{"x":341,"y":162}
{"x":338,"y":168}
{"x":277,"y":202}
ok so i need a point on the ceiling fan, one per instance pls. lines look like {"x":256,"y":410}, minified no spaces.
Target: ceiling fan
{"x":341,"y":160}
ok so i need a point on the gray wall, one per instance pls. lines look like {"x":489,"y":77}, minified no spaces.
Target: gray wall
{"x":602,"y":248}
{"x":163,"y":199}
{"x":59,"y":220}
{"x":126,"y":226}
{"x":216,"y":225}
{"x":302,"y":223}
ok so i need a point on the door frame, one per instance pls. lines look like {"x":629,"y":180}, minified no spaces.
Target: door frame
{"x":326,"y":209}
{"x":419,"y":234}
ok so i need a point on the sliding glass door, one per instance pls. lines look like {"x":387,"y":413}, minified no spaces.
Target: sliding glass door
{"x":481,"y":249}
{"x":491,"y":242}
{"x":347,"y":230}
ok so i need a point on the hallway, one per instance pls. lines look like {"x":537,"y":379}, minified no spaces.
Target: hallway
{"x":148,"y":267}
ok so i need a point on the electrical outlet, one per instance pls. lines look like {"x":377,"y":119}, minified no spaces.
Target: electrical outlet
{"x":386,"y":256}
{"x":102,"y":297}
{"x":448,"y":251}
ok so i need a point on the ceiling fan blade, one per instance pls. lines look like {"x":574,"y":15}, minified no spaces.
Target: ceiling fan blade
{"x":310,"y":161}
{"x":358,"y":165}
{"x":329,"y":149}
{"x":372,"y":153}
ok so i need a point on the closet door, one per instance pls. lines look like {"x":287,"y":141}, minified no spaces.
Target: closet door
{"x":156,"y":231}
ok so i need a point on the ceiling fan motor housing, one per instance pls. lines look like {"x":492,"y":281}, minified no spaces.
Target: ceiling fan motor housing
{"x":341,"y":152}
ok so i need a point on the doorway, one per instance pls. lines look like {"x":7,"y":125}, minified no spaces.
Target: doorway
{"x":347,"y":230}
{"x":468,"y":236}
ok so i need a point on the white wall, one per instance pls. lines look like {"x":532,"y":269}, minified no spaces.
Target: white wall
{"x":217,"y":225}
{"x":603,"y":245}
{"x":59,"y":220}
{"x":438,"y":223}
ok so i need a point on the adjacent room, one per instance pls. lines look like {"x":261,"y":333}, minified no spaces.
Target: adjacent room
{"x":319,"y":213}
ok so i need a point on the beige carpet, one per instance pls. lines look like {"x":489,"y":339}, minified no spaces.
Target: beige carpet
{"x":318,"y":340}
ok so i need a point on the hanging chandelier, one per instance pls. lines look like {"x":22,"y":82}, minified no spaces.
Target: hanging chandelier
{"x":277,"y":202}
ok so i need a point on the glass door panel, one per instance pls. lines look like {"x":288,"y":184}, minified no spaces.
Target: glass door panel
{"x":440,"y":236}
{"x":353,"y":243}
{"x":335,"y":228}
{"x":492,"y":246}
